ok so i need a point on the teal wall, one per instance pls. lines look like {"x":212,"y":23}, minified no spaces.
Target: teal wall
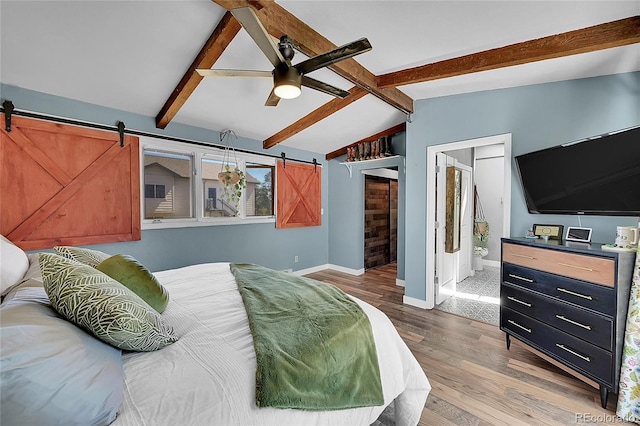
{"x":537,"y":116}
{"x":346,"y":204}
{"x":161,"y":249}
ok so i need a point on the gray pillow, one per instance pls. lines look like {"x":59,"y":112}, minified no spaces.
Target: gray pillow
{"x":103,"y":306}
{"x":52,"y":372}
{"x":82,"y":255}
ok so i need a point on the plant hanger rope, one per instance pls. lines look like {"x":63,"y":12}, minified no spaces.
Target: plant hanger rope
{"x":478,"y":213}
{"x":233,"y":180}
{"x":226,"y":158}
{"x":480,"y":225}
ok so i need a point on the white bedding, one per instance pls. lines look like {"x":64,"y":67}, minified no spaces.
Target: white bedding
{"x":208,"y":376}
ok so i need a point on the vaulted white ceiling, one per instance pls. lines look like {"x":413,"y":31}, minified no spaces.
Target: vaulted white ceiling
{"x":130,"y":55}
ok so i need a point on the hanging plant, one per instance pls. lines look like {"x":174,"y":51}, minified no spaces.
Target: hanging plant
{"x":232,"y":178}
{"x":480,"y":226}
{"x":481,"y":233}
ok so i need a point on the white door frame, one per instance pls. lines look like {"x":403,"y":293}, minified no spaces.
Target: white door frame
{"x":444,"y":263}
{"x":504,"y":139}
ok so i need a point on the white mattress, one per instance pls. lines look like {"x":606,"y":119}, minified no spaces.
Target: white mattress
{"x":208,"y":376}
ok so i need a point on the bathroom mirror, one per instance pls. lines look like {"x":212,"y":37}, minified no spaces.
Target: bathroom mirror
{"x":453,"y":204}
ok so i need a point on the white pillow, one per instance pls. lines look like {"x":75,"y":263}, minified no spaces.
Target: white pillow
{"x":13,"y":264}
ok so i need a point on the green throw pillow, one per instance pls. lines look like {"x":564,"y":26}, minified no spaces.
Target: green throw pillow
{"x":82,"y":255}
{"x":131,"y":274}
{"x":103,"y":306}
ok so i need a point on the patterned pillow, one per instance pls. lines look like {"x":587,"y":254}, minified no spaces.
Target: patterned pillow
{"x":82,"y":255}
{"x":133,"y":275}
{"x":103,"y":306}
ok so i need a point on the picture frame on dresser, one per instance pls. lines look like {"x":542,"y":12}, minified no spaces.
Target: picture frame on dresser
{"x":553,"y":232}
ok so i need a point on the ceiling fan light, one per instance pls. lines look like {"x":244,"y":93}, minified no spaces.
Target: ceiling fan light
{"x":287,"y":83}
{"x":287,"y":91}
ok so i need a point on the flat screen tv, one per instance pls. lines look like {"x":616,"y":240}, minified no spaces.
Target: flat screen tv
{"x":594,"y":176}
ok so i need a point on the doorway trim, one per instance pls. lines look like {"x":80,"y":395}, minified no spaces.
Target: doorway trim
{"x":505,"y":140}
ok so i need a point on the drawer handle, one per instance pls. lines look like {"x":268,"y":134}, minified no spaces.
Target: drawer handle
{"x":564,"y":290}
{"x":563,"y":318}
{"x":518,"y":277}
{"x":528,"y":330}
{"x":575,"y":267}
{"x":528,"y":305}
{"x":563,"y":347}
{"x":522,"y":255}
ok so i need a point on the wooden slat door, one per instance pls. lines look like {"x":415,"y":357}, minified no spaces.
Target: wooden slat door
{"x":67,"y":185}
{"x":377,"y":226}
{"x":298,"y":195}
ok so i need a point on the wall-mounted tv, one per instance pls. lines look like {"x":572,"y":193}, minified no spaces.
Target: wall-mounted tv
{"x":596,"y":176}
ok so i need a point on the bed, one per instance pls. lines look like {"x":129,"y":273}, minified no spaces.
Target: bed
{"x":207,"y":376}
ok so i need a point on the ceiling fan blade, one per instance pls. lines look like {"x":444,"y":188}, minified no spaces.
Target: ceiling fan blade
{"x":338,"y":54}
{"x":252,"y":25}
{"x":234,"y":73}
{"x":272,"y":100}
{"x":324,"y":87}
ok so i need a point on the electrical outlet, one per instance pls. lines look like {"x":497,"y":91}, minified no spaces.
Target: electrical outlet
{"x":295,"y":259}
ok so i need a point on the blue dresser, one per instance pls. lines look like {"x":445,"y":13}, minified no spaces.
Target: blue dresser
{"x":567,"y":302}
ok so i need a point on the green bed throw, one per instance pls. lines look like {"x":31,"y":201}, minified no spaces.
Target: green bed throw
{"x":314,"y":345}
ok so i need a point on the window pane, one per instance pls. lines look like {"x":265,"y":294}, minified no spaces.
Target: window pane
{"x":160,"y":191}
{"x":259,"y":191}
{"x":149,"y":191}
{"x":167,"y":186}
{"x":216,"y":203}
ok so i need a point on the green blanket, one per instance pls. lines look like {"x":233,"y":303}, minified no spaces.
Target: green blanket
{"x":314,"y":345}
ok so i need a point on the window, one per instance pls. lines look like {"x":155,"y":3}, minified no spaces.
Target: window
{"x":154,"y":191}
{"x":167,"y":185}
{"x":259,"y":200}
{"x":173,"y":197}
{"x":216,"y":203}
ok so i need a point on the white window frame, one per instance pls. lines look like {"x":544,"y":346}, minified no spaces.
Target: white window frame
{"x":198,"y":153}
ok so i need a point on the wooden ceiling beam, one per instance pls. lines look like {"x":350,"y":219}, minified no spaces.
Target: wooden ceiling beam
{"x":604,"y":36}
{"x":218,"y":41}
{"x":313,"y":117}
{"x":278,"y":21}
{"x":388,"y":132}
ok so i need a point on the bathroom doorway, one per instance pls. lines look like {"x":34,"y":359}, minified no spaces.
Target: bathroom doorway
{"x":504,"y":141}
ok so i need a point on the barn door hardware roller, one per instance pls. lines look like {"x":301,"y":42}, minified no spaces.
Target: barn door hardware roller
{"x":121,"y":132}
{"x":8,"y":110}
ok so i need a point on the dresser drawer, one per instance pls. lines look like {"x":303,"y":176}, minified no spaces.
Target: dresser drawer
{"x":596,"y":269}
{"x":584,"y":357}
{"x":591,"y":296}
{"x":587,"y":325}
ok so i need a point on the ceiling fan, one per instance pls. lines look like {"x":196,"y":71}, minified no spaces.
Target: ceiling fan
{"x":287,"y":78}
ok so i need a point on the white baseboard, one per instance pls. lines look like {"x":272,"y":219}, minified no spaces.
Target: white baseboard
{"x":495,"y":263}
{"x":346,"y":270}
{"x":329,"y":266}
{"x":399,"y":282}
{"x":415,"y":302}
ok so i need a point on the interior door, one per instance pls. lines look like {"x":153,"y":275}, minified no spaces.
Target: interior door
{"x":466,"y":225}
{"x":445,"y":283}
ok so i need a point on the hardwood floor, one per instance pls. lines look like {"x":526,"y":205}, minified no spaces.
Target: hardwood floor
{"x":475,"y":380}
